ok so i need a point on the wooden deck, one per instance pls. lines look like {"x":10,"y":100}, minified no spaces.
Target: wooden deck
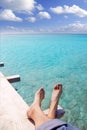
{"x":12,"y":108}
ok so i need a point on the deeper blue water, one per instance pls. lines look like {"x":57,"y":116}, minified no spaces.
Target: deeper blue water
{"x":43,"y":61}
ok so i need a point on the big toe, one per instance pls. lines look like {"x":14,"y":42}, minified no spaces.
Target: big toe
{"x":58,"y":87}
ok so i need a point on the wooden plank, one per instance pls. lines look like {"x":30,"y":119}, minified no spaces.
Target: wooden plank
{"x":13,"y":108}
{"x":1,"y":64}
{"x":13,"y":78}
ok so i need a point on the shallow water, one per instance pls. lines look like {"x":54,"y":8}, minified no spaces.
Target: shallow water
{"x":44,"y":60}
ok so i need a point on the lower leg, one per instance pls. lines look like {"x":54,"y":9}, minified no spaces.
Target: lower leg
{"x":35,"y":113}
{"x":57,"y":90}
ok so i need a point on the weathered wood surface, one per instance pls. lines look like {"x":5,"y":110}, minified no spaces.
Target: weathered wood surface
{"x":13,"y":108}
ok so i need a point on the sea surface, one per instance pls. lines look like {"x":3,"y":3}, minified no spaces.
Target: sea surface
{"x":45,"y":60}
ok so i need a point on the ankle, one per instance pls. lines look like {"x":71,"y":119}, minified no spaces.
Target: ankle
{"x":30,"y":112}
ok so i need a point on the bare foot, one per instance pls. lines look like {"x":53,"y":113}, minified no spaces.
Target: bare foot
{"x":39,"y":96}
{"x":57,"y":90}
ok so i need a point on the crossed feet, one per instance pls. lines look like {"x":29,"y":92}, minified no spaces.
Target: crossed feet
{"x":39,"y":96}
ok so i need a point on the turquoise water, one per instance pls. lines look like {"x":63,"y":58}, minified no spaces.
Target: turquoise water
{"x":44,"y":60}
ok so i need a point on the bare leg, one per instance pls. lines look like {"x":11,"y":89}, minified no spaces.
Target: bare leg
{"x":57,"y":90}
{"x":35,"y":113}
